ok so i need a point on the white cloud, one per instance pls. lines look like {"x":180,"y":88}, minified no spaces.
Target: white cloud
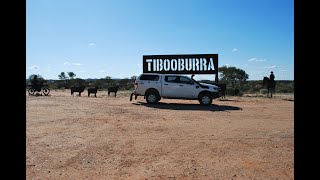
{"x":102,"y":71}
{"x":92,"y":44}
{"x":34,"y":67}
{"x":283,"y":70}
{"x":234,"y":50}
{"x":77,"y":64}
{"x":256,"y":60}
{"x":82,"y":71}
{"x":74,"y":64}
{"x":270,"y":67}
{"x":49,"y":68}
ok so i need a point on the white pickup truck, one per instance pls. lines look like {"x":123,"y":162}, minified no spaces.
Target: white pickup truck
{"x":172,"y":86}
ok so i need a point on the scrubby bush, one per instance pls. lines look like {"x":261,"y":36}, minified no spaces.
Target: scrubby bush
{"x":250,"y":87}
{"x":263,"y":91}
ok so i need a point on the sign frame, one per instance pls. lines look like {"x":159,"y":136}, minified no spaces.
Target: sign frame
{"x":181,"y":64}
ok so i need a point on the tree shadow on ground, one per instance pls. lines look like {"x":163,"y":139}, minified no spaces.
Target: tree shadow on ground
{"x":176,"y":106}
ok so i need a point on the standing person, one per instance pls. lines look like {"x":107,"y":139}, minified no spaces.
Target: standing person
{"x":272,"y":82}
{"x":272,"y":77}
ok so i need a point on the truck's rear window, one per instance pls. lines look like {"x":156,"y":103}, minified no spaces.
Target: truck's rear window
{"x":149,"y":77}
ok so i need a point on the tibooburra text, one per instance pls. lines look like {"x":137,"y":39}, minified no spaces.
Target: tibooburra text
{"x":181,"y":64}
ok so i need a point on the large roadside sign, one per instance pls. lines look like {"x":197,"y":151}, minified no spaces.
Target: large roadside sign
{"x":181,"y":64}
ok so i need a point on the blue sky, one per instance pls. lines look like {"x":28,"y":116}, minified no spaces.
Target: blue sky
{"x":99,"y":38}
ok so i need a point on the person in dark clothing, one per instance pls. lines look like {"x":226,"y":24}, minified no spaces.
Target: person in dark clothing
{"x":272,"y":77}
{"x":34,"y":81}
{"x":272,"y":82}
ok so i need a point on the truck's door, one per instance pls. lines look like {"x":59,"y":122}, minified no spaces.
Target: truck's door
{"x":170,"y":86}
{"x":178,"y":87}
{"x":188,"y":88}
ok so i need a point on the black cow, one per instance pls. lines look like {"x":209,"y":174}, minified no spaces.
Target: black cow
{"x":113,"y":89}
{"x":79,"y":89}
{"x":93,"y":90}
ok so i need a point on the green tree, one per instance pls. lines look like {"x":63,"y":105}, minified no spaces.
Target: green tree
{"x":108,"y":81}
{"x":79,"y":82}
{"x":71,"y":75}
{"x":233,"y":75}
{"x":65,"y":83}
{"x":71,"y":80}
{"x":62,"y":76}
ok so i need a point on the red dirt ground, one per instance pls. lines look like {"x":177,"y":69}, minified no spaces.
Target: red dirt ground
{"x":112,"y":138}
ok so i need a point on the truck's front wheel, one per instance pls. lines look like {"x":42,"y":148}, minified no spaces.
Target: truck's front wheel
{"x":205,"y":99}
{"x":152,"y":97}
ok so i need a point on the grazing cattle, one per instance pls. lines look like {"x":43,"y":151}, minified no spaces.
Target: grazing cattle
{"x":223,"y":88}
{"x":93,"y":90}
{"x":113,"y":89}
{"x":79,"y":89}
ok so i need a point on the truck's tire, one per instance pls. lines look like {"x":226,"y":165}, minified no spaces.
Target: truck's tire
{"x":152,"y":97}
{"x":205,"y":99}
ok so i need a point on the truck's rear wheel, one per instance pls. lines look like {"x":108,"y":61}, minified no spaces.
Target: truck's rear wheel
{"x":152,"y":97}
{"x":205,"y":99}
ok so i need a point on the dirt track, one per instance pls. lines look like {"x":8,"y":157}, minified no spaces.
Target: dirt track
{"x":113,"y":138}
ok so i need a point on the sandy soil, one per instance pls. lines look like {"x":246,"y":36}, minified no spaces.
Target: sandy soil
{"x":72,"y":137}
